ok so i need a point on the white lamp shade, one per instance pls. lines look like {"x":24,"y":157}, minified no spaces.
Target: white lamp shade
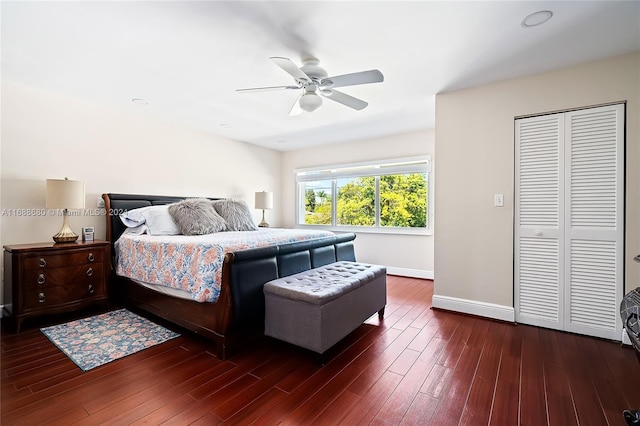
{"x":264,"y":200}
{"x":65,"y":194}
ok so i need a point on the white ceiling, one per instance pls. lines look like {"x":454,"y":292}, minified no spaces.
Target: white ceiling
{"x":187,"y":58}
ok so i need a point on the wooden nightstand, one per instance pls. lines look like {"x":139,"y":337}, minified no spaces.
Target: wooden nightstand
{"x":49,"y":278}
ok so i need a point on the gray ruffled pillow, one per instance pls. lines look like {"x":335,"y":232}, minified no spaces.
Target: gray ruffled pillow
{"x":196,"y":216}
{"x":236,"y":214}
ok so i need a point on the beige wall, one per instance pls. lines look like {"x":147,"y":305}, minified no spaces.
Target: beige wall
{"x":49,"y":135}
{"x":406,"y":254}
{"x":475,"y":149}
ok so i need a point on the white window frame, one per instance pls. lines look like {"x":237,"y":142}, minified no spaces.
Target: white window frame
{"x":419,"y":164}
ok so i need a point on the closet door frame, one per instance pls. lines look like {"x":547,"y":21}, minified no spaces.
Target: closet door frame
{"x":531,"y":285}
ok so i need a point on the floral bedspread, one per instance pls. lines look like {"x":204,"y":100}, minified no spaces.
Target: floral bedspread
{"x":194,"y":263}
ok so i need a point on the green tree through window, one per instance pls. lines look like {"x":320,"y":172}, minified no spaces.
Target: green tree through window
{"x":317,"y":203}
{"x":391,"y":194}
{"x":403,"y":201}
{"x":356,"y":201}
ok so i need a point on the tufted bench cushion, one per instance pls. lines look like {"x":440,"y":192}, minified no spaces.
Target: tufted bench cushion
{"x":314,"y":309}
{"x":321,"y":285}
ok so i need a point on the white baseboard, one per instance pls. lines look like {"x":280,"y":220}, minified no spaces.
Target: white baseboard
{"x":413,"y":273}
{"x":625,"y":337}
{"x":473,"y":307}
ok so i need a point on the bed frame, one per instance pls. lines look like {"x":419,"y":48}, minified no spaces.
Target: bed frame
{"x":238,"y":315}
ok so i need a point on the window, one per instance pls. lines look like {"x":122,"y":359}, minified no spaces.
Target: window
{"x":317,"y":202}
{"x":387,"y":195}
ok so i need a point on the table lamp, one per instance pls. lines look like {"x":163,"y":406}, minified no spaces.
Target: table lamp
{"x":264,"y":201}
{"x":65,"y":194}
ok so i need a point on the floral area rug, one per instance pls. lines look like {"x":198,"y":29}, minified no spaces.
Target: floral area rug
{"x":94,"y":341}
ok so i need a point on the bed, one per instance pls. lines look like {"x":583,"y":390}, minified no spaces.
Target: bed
{"x":237,"y":314}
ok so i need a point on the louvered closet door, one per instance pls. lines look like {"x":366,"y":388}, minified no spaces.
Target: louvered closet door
{"x":539,"y":226}
{"x":594,"y":228}
{"x":569,"y":215}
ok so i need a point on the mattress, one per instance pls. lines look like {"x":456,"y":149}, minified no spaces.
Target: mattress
{"x":193,"y":264}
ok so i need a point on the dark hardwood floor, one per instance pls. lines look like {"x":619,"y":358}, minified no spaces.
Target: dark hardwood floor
{"x":419,"y":366}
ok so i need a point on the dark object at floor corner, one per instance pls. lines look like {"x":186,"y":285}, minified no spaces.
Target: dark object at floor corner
{"x":632,"y":417}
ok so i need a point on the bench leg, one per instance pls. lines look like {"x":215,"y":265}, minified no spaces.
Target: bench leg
{"x":321,"y":359}
{"x":381,"y":313}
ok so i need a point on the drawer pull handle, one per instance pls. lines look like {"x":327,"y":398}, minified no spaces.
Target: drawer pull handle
{"x":41,"y":279}
{"x":42,"y":263}
{"x":91,"y":289}
{"x":91,"y":257}
{"x":41,"y":298}
{"x":89,"y":272}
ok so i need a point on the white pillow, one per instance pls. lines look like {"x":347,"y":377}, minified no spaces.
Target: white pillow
{"x":137,"y":230}
{"x":157,"y":219}
{"x":133,"y":218}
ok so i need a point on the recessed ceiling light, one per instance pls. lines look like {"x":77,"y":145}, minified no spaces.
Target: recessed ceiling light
{"x":536,"y":18}
{"x":140,"y":101}
{"x":225,"y":125}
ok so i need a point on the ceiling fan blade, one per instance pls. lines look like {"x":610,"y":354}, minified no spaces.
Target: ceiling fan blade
{"x":291,"y":68}
{"x":363,"y":77}
{"x":344,"y":99}
{"x":264,"y":89}
{"x":295,"y":108}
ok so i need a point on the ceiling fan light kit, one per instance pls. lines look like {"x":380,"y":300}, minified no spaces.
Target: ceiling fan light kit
{"x":314,"y":82}
{"x":310,"y":101}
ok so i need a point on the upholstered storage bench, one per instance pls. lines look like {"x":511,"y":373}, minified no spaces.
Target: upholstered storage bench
{"x":315,"y":309}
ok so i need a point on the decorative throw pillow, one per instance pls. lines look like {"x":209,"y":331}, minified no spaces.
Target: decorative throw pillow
{"x":196,"y":216}
{"x":236,"y":214}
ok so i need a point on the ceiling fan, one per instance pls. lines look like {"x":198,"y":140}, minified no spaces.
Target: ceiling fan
{"x":315,"y":85}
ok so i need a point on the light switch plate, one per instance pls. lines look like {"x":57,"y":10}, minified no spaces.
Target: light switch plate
{"x":498,"y":200}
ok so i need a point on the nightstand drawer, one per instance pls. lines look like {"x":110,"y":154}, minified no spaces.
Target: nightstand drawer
{"x":54,"y":296}
{"x":72,"y":275}
{"x":46,"y":261}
